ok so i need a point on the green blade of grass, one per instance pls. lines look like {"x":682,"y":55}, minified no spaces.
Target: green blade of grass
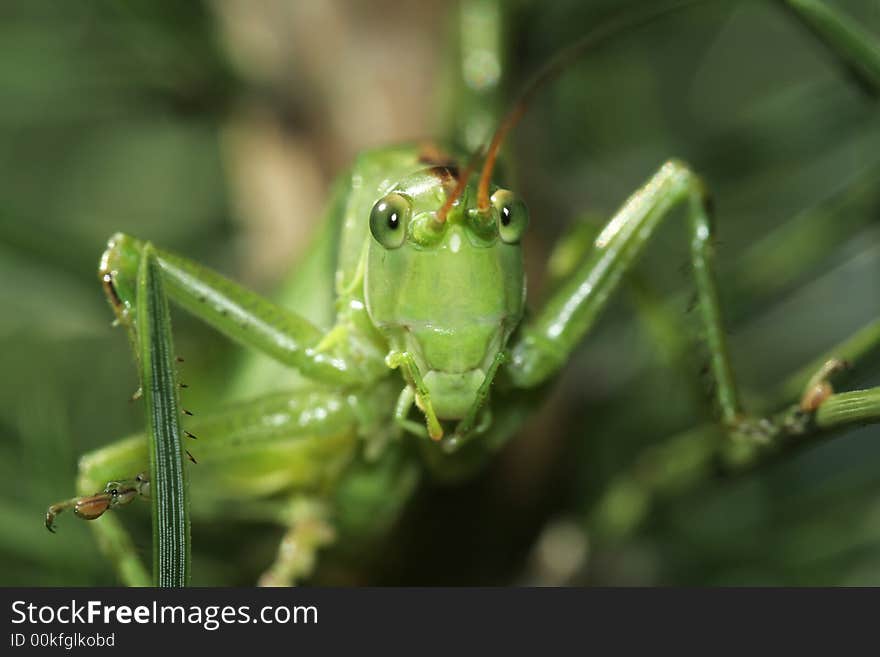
{"x":168,"y":482}
{"x":856,"y":49}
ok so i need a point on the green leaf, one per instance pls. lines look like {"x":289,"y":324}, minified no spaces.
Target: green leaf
{"x":168,"y":480}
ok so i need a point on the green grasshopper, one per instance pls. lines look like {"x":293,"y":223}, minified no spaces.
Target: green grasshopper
{"x":431,"y":362}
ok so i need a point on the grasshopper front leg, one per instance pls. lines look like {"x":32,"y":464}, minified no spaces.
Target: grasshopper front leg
{"x":91,"y":507}
{"x":153,"y":347}
{"x":300,"y":440}
{"x":238,"y":313}
{"x":547,"y":341}
{"x":284,"y":435}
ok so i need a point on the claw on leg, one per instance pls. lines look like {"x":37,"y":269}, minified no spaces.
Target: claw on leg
{"x":90,"y":507}
{"x":819,"y":387}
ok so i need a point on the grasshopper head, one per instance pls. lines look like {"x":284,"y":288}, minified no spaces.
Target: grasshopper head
{"x":447,"y":289}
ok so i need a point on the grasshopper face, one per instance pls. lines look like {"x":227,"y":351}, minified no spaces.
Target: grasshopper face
{"x":449,"y":292}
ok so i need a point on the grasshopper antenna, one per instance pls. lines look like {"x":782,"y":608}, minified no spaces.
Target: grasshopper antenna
{"x":460,"y":185}
{"x":592,"y":40}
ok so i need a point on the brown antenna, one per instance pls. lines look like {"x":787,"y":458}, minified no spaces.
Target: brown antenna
{"x":460,"y":185}
{"x":553,"y":68}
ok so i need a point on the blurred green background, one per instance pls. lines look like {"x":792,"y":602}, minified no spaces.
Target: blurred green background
{"x":215,"y":128}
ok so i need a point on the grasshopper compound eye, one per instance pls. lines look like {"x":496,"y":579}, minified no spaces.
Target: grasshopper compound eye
{"x":513,"y":216}
{"x":389,"y":219}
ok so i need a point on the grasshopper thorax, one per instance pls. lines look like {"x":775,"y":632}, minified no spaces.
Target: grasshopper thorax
{"x":447,"y":290}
